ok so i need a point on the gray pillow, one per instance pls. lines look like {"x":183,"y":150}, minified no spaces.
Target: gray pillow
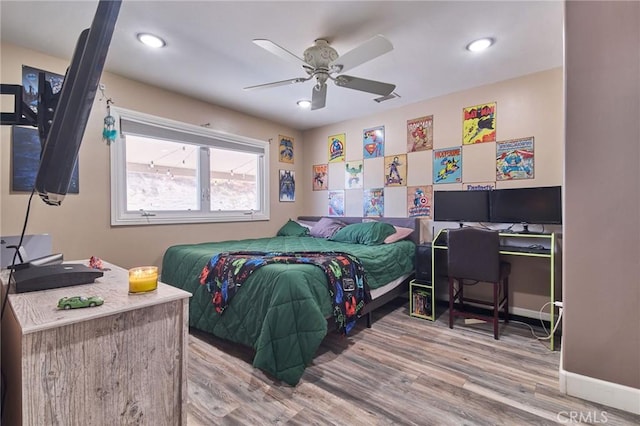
{"x":326,"y":227}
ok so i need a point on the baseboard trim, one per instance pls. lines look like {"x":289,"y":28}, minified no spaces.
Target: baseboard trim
{"x":610,"y":394}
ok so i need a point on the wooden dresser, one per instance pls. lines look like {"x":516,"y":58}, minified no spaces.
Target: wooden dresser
{"x":120,"y":363}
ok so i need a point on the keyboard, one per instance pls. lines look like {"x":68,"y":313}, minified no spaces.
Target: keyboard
{"x":525,"y":249}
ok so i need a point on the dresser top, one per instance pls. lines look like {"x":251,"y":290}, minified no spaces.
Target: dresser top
{"x":37,"y":310}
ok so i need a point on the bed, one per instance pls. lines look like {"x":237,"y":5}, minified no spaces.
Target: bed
{"x":284,"y":311}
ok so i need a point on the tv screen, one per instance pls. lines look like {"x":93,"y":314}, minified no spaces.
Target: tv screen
{"x":63,"y":134}
{"x":541,"y":205}
{"x":461,"y":206}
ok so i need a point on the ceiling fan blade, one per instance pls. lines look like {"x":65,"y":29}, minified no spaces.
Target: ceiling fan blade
{"x":277,"y":83}
{"x":368,"y":50}
{"x":319,"y":97}
{"x":280,"y":51}
{"x":364,"y":85}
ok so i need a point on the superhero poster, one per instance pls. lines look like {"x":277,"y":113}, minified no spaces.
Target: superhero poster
{"x":336,"y":203}
{"x":320,"y":177}
{"x":447,"y":165}
{"x":373,"y":142}
{"x":514,"y":159}
{"x":287,"y":185}
{"x":419,"y":200}
{"x":395,"y":169}
{"x":353,"y":174}
{"x":286,"y":149}
{"x":337,"y":146}
{"x":373,"y":202}
{"x":479,"y":124}
{"x":420,"y":134}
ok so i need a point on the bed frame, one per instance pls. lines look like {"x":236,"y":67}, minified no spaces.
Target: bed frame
{"x":402,"y":287}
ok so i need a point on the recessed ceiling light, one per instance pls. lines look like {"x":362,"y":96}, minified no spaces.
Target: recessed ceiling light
{"x":481,"y":44}
{"x":151,"y":40}
{"x":303,"y":103}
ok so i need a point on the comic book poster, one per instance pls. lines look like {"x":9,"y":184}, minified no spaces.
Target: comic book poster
{"x":286,"y":149}
{"x":373,"y":142}
{"x":287,"y":187}
{"x":479,"y":124}
{"x":30,"y":85}
{"x":514,"y":159}
{"x":336,"y":203}
{"x":353,"y":174}
{"x":395,"y":170}
{"x":337,"y":146}
{"x":419,"y":200}
{"x":320,"y":177}
{"x":420,"y":134}
{"x":373,"y":202}
{"x":447,"y":165}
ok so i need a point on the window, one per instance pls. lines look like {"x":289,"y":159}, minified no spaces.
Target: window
{"x":163,"y":171}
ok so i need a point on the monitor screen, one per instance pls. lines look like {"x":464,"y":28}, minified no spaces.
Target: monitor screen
{"x":461,"y":206}
{"x":63,"y":134}
{"x":541,"y":205}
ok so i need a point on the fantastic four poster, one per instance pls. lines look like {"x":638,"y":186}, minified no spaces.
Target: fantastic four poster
{"x":479,"y":123}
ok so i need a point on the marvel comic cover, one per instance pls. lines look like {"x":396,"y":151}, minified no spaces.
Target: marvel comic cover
{"x":447,"y":165}
{"x":353,"y":174}
{"x":479,"y":124}
{"x":419,"y":200}
{"x":373,"y":142}
{"x":320,"y":177}
{"x":373,"y":202}
{"x":337,"y":146}
{"x":514,"y":159}
{"x":336,"y":203}
{"x":420,"y":134}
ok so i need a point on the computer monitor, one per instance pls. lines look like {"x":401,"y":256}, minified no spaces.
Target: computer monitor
{"x":542,"y":205}
{"x":461,"y":206}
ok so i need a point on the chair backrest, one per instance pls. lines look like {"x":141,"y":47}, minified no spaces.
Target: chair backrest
{"x":474,"y":254}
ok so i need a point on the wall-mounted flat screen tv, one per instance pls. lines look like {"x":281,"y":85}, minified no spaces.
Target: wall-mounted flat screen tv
{"x":541,"y":205}
{"x":461,"y":206}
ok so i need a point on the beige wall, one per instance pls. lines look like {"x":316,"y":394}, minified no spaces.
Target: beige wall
{"x":528,"y":106}
{"x":602,"y":197}
{"x":80,"y":227}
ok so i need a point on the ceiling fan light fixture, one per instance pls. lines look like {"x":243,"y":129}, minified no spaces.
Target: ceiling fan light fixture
{"x":304,"y":103}
{"x":480,"y":44}
{"x":151,"y":40}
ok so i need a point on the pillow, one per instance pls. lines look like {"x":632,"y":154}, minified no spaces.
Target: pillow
{"x":400,"y":234}
{"x":293,"y":229}
{"x":326,"y":227}
{"x":368,"y":233}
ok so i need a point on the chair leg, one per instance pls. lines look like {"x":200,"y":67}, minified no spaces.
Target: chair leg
{"x":451,"y":302}
{"x":496,"y":307}
{"x":505,"y":288}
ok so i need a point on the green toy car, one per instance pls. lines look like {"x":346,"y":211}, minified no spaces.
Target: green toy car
{"x":79,"y":302}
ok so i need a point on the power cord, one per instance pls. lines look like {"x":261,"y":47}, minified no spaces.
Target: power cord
{"x":549,"y":334}
{"x":15,"y":255}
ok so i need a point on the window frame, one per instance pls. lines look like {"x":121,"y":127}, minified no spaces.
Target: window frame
{"x":197,"y":135}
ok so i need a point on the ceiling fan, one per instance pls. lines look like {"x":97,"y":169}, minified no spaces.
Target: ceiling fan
{"x":322,"y":62}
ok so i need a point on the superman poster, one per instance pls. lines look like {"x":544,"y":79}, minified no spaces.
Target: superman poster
{"x":373,"y":142}
{"x":479,"y":124}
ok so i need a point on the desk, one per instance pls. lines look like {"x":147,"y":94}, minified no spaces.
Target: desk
{"x":123,"y":362}
{"x":513,"y":244}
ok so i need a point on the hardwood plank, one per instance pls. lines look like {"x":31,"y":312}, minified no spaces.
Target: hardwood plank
{"x":401,"y":371}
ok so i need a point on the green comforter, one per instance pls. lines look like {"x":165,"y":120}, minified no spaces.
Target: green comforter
{"x":281,"y":310}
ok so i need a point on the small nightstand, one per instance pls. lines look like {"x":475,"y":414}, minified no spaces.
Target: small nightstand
{"x":421,"y":289}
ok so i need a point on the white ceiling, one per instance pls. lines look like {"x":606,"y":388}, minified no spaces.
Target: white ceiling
{"x":210,"y":54}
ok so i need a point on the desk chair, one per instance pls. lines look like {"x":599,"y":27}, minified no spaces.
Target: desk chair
{"x":474,"y":254}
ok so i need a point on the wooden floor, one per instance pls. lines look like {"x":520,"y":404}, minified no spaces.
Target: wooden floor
{"x":403,"y":371}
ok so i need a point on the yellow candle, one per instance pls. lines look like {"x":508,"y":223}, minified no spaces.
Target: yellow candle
{"x":143,"y":278}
